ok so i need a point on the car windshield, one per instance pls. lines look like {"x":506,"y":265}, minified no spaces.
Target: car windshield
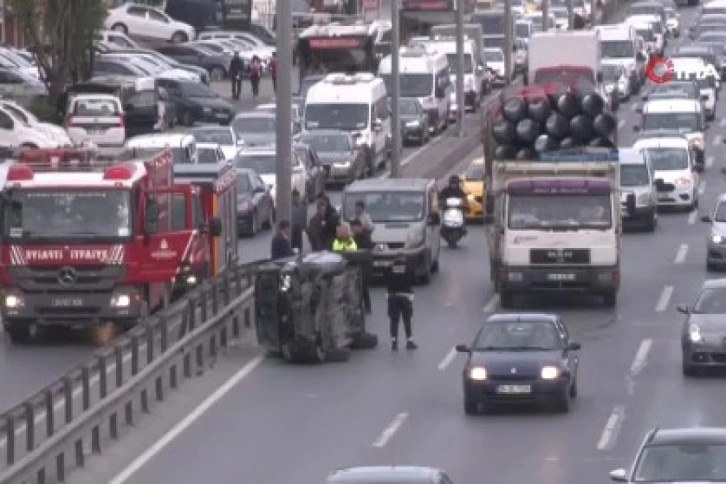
{"x":688,"y":462}
{"x":684,"y":122}
{"x":348,"y":117}
{"x":675,"y":89}
{"x":454,"y":62}
{"x":207,"y":155}
{"x":408,"y":107}
{"x":262,"y":164}
{"x":243,"y":184}
{"x":522,"y":31}
{"x":633,"y":175}
{"x":493,"y":55}
{"x":191,"y":89}
{"x":614,"y":49}
{"x":564,"y":212}
{"x":221,"y":136}
{"x":253,"y":125}
{"x":668,"y":159}
{"x":330,"y":143}
{"x":491,"y":24}
{"x":711,"y":301}
{"x":518,"y":336}
{"x":412,"y":85}
{"x":96,"y":107}
{"x":69,"y":214}
{"x":475,"y":172}
{"x":388,"y":206}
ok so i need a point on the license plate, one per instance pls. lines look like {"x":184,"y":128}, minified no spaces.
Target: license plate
{"x":514,"y":389}
{"x":67,"y":302}
{"x":96,"y":131}
{"x":560,"y":277}
{"x":381,"y":263}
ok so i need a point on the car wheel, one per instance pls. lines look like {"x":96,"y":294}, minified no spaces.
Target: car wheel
{"x":689,"y":370}
{"x":471,"y":408}
{"x":19,"y":335}
{"x":573,"y":389}
{"x":217,"y":73}
{"x":506,"y":299}
{"x":120,"y":28}
{"x":179,"y":37}
{"x":564,"y":402}
{"x":652,"y":223}
{"x":610,"y":299}
{"x":254,"y":225}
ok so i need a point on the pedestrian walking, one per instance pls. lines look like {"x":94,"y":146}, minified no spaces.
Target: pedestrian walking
{"x":299,"y":220}
{"x":399,"y":285}
{"x":255,"y":75}
{"x":236,"y":69}
{"x":273,"y":71}
{"x":280,"y":245}
{"x":363,"y":241}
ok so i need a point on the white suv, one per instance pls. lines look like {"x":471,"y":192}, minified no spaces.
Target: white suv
{"x":96,"y":118}
{"x":148,"y":23}
{"x":15,"y":133}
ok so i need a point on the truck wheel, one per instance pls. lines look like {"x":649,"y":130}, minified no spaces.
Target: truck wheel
{"x":19,"y":335}
{"x":506,"y":299}
{"x":652,"y":223}
{"x":610,"y":299}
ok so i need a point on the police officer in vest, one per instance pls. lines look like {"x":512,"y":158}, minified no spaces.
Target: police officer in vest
{"x":344,"y":241}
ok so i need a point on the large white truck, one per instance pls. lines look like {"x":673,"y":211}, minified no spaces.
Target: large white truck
{"x":556,"y":225}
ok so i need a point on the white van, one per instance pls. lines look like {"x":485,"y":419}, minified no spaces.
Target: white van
{"x":424,"y":76}
{"x":618,"y":47}
{"x":355,"y":103}
{"x":182,"y":145}
{"x":637,"y":179}
{"x":473,"y":68}
{"x":96,"y":118}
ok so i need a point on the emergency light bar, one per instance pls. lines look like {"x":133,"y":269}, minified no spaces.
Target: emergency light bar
{"x":62,"y":159}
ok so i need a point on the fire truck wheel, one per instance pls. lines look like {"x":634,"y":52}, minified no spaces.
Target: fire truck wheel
{"x":18,"y":334}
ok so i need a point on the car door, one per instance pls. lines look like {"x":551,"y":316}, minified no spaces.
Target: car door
{"x":261,"y":196}
{"x":135,"y":20}
{"x":187,"y":55}
{"x":159,"y":25}
{"x":8,"y":135}
{"x":316,"y":166}
{"x":571,"y":359}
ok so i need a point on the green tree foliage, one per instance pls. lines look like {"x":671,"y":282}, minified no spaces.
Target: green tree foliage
{"x":61,"y":34}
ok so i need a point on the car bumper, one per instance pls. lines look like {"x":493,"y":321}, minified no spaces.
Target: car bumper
{"x":643,"y":215}
{"x":340,"y":173}
{"x":383,"y":260}
{"x":678,"y":197}
{"x":595,"y":280}
{"x":704,"y":354}
{"x":500,"y":391}
{"x":414,"y":134}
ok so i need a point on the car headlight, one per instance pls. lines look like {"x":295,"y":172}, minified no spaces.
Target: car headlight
{"x":415,"y":239}
{"x":684,"y":182}
{"x":342,"y":163}
{"x":643,"y":199}
{"x":694,"y":333}
{"x":717,"y":239}
{"x":549,"y":373}
{"x":285,"y":282}
{"x":477,"y":373}
{"x":13,"y":301}
{"x":697,"y":143}
{"x":120,"y":301}
{"x":244,"y":206}
{"x":361,"y":141}
{"x":413,"y":124}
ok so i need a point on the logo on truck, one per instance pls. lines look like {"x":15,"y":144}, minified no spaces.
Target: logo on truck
{"x":67,"y":276}
{"x":660,"y":70}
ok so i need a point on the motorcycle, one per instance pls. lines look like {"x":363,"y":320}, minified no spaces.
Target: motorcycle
{"x":452,"y":223}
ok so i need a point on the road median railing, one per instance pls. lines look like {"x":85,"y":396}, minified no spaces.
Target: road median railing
{"x":49,"y":434}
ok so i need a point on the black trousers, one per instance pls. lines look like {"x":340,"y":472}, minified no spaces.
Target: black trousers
{"x":236,"y":87}
{"x":400,"y":307}
{"x":255,"y":81}
{"x":297,"y":238}
{"x":274,"y":83}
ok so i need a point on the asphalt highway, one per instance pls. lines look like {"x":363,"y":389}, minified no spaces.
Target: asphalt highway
{"x":283,"y":423}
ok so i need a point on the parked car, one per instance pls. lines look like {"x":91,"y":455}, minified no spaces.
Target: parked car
{"x":263,"y":159}
{"x":116,"y":39}
{"x":264,"y":51}
{"x":105,"y":65}
{"x":12,"y":60}
{"x":314,"y":171}
{"x":148,"y":23}
{"x":296,"y":114}
{"x":96,"y":118}
{"x":200,"y":72}
{"x":255,"y":205}
{"x":19,"y":86}
{"x":197,"y":103}
{"x":155,"y":67}
{"x":342,"y":159}
{"x":224,"y":136}
{"x":255,"y":128}
{"x":193,"y":54}
{"x":210,"y":153}
{"x":56,"y":133}
{"x":16,"y":133}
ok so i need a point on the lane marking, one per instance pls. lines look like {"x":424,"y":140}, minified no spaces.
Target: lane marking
{"x":417,"y":152}
{"x":388,"y":432}
{"x":692,"y":217}
{"x":681,"y":254}
{"x":491,"y":305}
{"x":717,"y":140}
{"x":612,"y":428}
{"x":450,"y":356}
{"x":621,"y":123}
{"x":664,"y":299}
{"x":177,"y":430}
{"x":709,"y":162}
{"x":702,"y":187}
{"x":641,"y":357}
{"x":722,"y":123}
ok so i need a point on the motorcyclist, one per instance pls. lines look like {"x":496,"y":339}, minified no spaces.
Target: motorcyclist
{"x":453,"y":190}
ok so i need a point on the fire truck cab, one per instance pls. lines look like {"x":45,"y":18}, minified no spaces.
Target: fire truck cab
{"x":85,"y":242}
{"x":216,"y":187}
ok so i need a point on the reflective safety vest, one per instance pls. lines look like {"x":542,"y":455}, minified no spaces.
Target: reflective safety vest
{"x":344,"y":245}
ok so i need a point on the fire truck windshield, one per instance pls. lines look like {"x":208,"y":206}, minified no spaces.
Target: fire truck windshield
{"x":68,"y":214}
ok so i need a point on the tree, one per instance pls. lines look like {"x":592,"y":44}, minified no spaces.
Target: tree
{"x":61,"y":35}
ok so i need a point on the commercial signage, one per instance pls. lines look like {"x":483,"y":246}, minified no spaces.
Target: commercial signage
{"x":427,"y":5}
{"x":336,"y":43}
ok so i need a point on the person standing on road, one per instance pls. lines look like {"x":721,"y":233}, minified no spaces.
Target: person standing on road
{"x":255,"y":75}
{"x":399,"y":285}
{"x":362,"y":216}
{"x":299,"y":220}
{"x":363,"y":241}
{"x":273,"y":71}
{"x":321,"y":229}
{"x":236,"y":68}
{"x":281,"y":247}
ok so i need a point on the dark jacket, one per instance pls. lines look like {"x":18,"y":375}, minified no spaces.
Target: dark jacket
{"x":450,"y":192}
{"x":321,"y":230}
{"x":299,"y":219}
{"x":363,"y":241}
{"x":399,"y":280}
{"x":281,"y":247}
{"x":236,"y":67}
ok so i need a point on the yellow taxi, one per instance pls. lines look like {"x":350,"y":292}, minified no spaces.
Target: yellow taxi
{"x":472,"y":181}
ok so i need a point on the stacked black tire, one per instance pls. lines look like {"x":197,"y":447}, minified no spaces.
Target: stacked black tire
{"x":528,"y":128}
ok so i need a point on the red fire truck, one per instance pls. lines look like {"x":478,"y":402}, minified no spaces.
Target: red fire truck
{"x":86,"y":242}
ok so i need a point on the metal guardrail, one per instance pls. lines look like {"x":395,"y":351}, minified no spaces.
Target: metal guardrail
{"x":51,"y":433}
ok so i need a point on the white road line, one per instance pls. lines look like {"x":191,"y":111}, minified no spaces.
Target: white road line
{"x":692,"y":217}
{"x":722,"y":123}
{"x":612,"y":428}
{"x":491,"y":305}
{"x":681,"y":254}
{"x":388,"y":432}
{"x":709,"y":162}
{"x":450,"y":356}
{"x":621,"y":123}
{"x":177,"y":430}
{"x":702,"y":187}
{"x":717,"y":140}
{"x":664,"y":299}
{"x":641,"y":357}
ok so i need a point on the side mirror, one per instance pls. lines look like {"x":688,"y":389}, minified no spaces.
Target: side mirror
{"x":630,"y":203}
{"x":683,"y":309}
{"x":480,"y":68}
{"x":434,"y":219}
{"x":706,"y":219}
{"x":215,"y":227}
{"x":151,"y":222}
{"x":377,"y":125}
{"x":463,"y":349}
{"x":574,"y":346}
{"x":619,"y":475}
{"x":659,"y":185}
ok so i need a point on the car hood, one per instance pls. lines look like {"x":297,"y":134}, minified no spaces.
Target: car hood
{"x":335,"y":156}
{"x":212,"y":102}
{"x":257,"y":139}
{"x":524,"y":363}
{"x":183,"y":74}
{"x":407,"y":118}
{"x":710,"y":323}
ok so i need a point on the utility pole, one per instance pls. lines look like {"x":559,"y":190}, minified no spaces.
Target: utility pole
{"x":570,"y":15}
{"x":508,"y":40}
{"x":396,"y":88}
{"x":593,"y":12}
{"x":545,"y":15}
{"x":460,"y":100}
{"x":283,"y":110}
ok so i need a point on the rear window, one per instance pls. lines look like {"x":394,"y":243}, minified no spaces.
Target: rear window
{"x":143,"y":98}
{"x":96,"y":107}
